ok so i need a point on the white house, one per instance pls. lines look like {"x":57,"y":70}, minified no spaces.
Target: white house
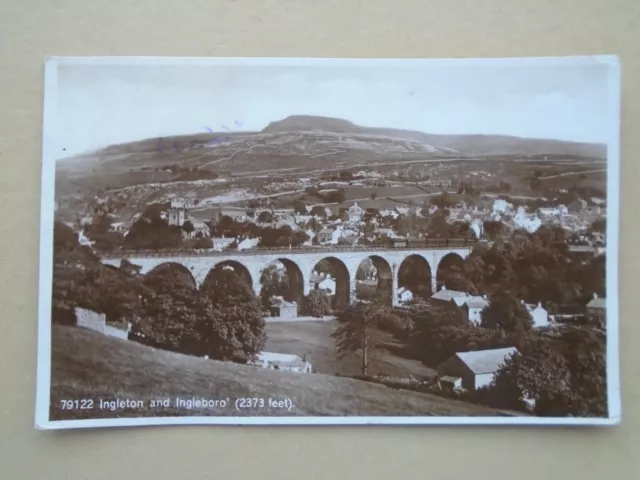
{"x":476,"y":304}
{"x":283,"y":361}
{"x":322,"y":281}
{"x":355,"y":212}
{"x":248,"y":243}
{"x":328,"y":284}
{"x":553,"y":211}
{"x":329,"y":236}
{"x":444,"y":295}
{"x":538,"y":314}
{"x":404,"y":295}
{"x":473,"y":370}
{"x":220,"y":243}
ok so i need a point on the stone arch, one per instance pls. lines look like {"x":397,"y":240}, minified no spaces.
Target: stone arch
{"x":296,"y":279}
{"x":366,"y":288}
{"x":241,"y":271}
{"x":174,"y":267}
{"x":414,"y":273}
{"x":450,"y":263}
{"x":340,"y":273}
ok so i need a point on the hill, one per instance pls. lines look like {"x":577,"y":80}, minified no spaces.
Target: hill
{"x":312,"y":142}
{"x":469,"y":145}
{"x":86,"y":364}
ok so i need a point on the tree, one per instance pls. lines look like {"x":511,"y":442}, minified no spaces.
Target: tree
{"x":231,"y":324}
{"x":75,"y":269}
{"x":542,"y":377}
{"x":188,"y":227}
{"x":358,"y":332}
{"x":265,"y":216}
{"x":336,"y":196}
{"x":317,"y":303}
{"x":169,"y":314}
{"x":442,"y":201}
{"x":273,"y":283}
{"x":492,"y":229}
{"x":373,"y":195}
{"x":99,"y":232}
{"x":599,"y":225}
{"x":203,"y":243}
{"x":507,"y":313}
{"x":438,"y":226}
{"x":314,"y":225}
{"x":152,"y":234}
{"x":346,"y":175}
{"x":319,"y":211}
{"x":299,"y":207}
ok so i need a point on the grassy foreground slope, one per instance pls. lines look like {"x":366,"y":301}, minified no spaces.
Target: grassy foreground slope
{"x":87,"y":365}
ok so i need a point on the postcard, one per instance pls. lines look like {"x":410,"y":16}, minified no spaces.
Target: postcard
{"x":298,"y":241}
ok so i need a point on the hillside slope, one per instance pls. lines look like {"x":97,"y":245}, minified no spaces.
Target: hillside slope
{"x":87,"y":365}
{"x":309,"y":142}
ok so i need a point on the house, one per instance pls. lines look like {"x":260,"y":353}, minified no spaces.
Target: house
{"x":282,"y":309}
{"x":450,"y":296}
{"x":322,"y":281}
{"x":311,"y":236}
{"x":329,"y":236}
{"x":577,"y":205}
{"x":597,"y":310}
{"x":117,"y":227}
{"x":325,"y":235}
{"x":473,"y":370}
{"x":327,"y":284}
{"x":475,"y":305}
{"x":355,"y":212}
{"x":97,"y":322}
{"x":553,"y":211}
{"x":538,"y":314}
{"x":220,"y":243}
{"x":282,"y":361}
{"x":248,"y":243}
{"x":404,"y":295}
{"x":384,"y":232}
{"x":177,"y":213}
{"x":402,"y":210}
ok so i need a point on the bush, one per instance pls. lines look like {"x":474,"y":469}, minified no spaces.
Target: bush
{"x":203,"y":242}
{"x":317,"y":304}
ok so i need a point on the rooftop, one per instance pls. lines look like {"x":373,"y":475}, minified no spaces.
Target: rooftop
{"x":597,"y":302}
{"x":448,"y":295}
{"x":486,"y":361}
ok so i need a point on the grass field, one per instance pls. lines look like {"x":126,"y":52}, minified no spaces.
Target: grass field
{"x":314,"y":339}
{"x":87,"y":365}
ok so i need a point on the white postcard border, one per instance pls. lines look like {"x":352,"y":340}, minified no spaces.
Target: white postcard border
{"x":52,"y":63}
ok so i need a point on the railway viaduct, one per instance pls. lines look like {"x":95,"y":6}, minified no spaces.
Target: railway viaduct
{"x":300,"y":264}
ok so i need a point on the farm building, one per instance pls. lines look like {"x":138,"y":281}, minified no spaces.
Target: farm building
{"x":473,"y":370}
{"x":282,"y":309}
{"x":283,"y":361}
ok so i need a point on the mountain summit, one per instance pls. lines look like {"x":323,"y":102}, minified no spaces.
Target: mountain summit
{"x":310,"y":123}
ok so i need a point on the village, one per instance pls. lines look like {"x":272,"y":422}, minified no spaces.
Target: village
{"x":261,"y":225}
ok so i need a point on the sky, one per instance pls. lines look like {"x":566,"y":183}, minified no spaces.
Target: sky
{"x":104,"y":104}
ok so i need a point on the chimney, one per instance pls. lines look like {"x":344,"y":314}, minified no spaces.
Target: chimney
{"x":595,"y":295}
{"x":539,"y":304}
{"x":442,"y":288}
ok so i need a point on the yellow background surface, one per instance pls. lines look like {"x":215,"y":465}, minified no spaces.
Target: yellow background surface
{"x":31,"y":29}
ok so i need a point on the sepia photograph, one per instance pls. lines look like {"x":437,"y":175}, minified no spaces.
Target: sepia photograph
{"x":329,"y":241}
